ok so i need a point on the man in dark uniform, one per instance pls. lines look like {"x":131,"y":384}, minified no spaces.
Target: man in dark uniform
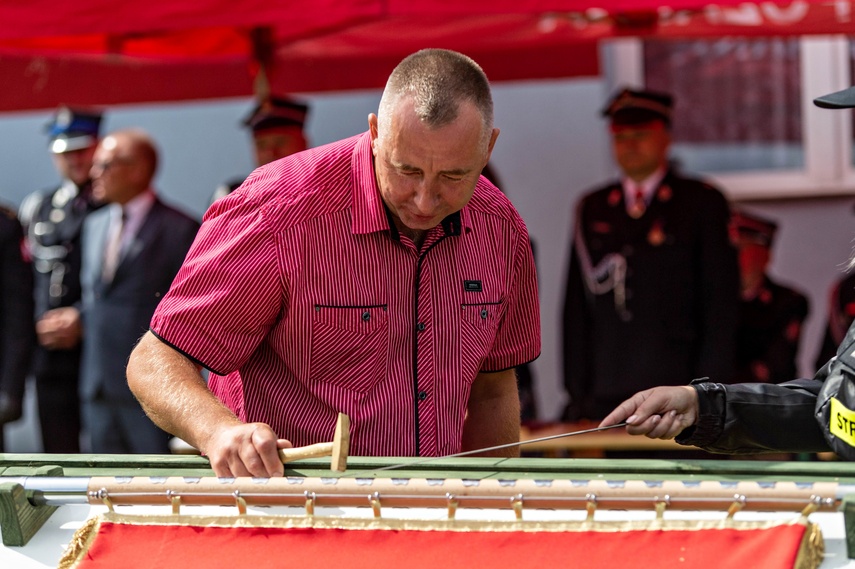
{"x":277,"y":131}
{"x":770,"y":314}
{"x":652,"y":291}
{"x":16,"y":318}
{"x":53,"y":220}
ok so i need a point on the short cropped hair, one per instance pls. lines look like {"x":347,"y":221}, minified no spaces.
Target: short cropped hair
{"x":438,"y":80}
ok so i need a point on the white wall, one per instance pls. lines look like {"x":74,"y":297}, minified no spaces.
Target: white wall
{"x":552,"y":147}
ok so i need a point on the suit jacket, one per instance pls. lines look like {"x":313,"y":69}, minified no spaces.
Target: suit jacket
{"x":666,"y":311}
{"x":116,"y":314}
{"x":17,"y":333}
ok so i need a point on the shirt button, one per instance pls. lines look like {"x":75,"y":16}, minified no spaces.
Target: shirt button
{"x":422,"y":395}
{"x":484,"y":313}
{"x":421,"y":326}
{"x":366,"y":316}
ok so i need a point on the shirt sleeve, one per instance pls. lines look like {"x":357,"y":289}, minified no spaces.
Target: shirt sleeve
{"x":518,"y":337}
{"x":228,"y":293}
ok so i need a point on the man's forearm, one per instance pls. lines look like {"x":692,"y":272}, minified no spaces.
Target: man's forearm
{"x":493,"y":414}
{"x":173,"y":394}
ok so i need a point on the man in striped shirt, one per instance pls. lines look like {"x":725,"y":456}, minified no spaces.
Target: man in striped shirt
{"x":379,"y":276}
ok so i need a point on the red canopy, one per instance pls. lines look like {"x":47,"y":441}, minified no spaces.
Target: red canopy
{"x":102,"y":52}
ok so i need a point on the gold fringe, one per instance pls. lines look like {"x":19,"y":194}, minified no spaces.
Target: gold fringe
{"x":79,"y":544}
{"x":812,"y":548}
{"x":441,"y":524}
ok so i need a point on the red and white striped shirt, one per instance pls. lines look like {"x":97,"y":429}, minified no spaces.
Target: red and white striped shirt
{"x":302,"y":291}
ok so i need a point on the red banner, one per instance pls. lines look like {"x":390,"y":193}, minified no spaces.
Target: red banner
{"x":380,"y":544}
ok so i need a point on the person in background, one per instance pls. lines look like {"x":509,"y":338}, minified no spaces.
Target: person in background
{"x":800,"y":415}
{"x":132,"y":249}
{"x":770,"y":314}
{"x":380,"y":276}
{"x":52,"y":220}
{"x":17,"y":332}
{"x":652,"y":291}
{"x":277,"y":126}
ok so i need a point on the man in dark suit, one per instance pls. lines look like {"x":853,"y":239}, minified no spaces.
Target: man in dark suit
{"x":17,"y":332}
{"x":653,"y":288}
{"x":277,"y":131}
{"x":52,"y":220}
{"x":770,"y":314}
{"x":132,"y":249}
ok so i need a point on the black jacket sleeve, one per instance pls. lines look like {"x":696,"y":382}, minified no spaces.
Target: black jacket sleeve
{"x":749,"y":418}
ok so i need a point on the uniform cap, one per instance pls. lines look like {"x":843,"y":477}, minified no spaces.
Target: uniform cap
{"x":750,"y":228}
{"x":844,"y":99}
{"x":72,"y":129}
{"x":276,"y":112}
{"x":633,"y":107}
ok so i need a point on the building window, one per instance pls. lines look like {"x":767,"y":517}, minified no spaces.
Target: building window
{"x":738,"y":101}
{"x":744,"y":116}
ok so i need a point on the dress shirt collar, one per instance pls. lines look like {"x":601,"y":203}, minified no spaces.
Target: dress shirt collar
{"x":648,"y":185}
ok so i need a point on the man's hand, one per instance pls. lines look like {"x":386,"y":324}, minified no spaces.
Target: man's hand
{"x":245,"y":450}
{"x":659,"y":413}
{"x":59,"y":329}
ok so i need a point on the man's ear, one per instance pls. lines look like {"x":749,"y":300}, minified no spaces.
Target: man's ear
{"x":372,"y":129}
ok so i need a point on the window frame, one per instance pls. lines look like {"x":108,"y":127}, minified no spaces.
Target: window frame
{"x":827,"y":135}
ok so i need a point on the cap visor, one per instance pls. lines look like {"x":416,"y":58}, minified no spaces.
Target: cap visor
{"x":63,"y":144}
{"x":844,"y":99}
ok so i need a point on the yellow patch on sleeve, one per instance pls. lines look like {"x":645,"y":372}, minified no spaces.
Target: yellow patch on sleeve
{"x":842,"y":422}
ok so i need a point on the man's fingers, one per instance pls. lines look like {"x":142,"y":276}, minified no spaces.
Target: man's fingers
{"x":264,"y":441}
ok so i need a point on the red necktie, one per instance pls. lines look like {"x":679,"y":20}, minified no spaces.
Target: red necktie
{"x":636,"y":209}
{"x":112,"y":252}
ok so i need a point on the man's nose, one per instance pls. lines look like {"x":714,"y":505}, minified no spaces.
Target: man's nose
{"x":426,"y":196}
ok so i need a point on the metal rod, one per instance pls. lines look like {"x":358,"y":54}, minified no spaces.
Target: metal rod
{"x":421,"y":492}
{"x":486,"y":449}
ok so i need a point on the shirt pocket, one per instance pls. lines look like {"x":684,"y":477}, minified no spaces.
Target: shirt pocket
{"x":479,"y":324}
{"x":349,"y":346}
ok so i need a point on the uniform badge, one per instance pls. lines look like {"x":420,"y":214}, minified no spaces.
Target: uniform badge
{"x":614,"y":197}
{"x":665,"y":193}
{"x":793,"y":330}
{"x":601,"y":227}
{"x":656,"y":235}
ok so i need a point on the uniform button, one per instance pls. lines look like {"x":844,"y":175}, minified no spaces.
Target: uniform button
{"x":422,"y":395}
{"x":421,"y":326}
{"x":366,"y":316}
{"x":484,"y":313}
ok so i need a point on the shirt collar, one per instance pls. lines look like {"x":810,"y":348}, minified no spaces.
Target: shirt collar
{"x":139,"y":206}
{"x":647,"y":185}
